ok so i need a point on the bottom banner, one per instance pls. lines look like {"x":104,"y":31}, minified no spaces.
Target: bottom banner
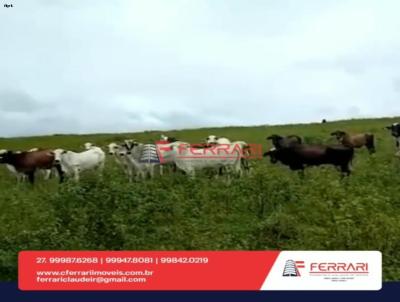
{"x":326,"y":270}
{"x":199,"y":270}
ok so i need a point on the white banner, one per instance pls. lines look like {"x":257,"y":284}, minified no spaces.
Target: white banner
{"x":326,"y":270}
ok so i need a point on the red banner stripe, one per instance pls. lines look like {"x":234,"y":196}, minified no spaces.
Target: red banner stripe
{"x":180,"y":270}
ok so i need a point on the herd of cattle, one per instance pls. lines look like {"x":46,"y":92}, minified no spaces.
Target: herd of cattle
{"x":140,"y":161}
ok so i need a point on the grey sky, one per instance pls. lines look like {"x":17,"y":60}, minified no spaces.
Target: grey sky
{"x":109,"y":66}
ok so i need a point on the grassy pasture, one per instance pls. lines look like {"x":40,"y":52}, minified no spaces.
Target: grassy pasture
{"x":270,"y":209}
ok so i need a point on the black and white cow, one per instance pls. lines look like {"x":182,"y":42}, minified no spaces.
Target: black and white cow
{"x":395,"y":130}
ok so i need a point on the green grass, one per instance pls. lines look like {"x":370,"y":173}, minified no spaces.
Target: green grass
{"x":273,"y":208}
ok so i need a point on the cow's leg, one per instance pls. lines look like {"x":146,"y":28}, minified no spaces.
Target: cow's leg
{"x":60,"y":173}
{"x":100,"y":168}
{"x":371,"y":150}
{"x":52,"y":172}
{"x":345,"y":169}
{"x":141,"y":174}
{"x":300,"y":170}
{"x":151,"y":170}
{"x":190,"y":172}
{"x":239,"y":168}
{"x":129,"y":172}
{"x":228,"y":178}
{"x":31,"y":177}
{"x":20,"y":177}
{"x":47,"y":173}
{"x":245,"y":164}
{"x":144,"y":173}
{"x":76,"y":173}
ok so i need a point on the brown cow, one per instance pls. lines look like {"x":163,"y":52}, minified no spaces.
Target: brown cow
{"x":285,"y":141}
{"x":356,"y":140}
{"x":299,"y":156}
{"x":28,"y":162}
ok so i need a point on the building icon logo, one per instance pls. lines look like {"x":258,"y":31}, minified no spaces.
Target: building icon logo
{"x":291,"y":268}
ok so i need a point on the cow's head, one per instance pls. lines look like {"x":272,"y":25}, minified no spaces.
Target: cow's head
{"x":272,"y":154}
{"x":129,"y":145}
{"x":172,"y":139}
{"x":275,"y":139}
{"x":88,"y":145}
{"x":211,"y":140}
{"x":123,"y":151}
{"x":58,"y":153}
{"x":163,"y":138}
{"x":5,"y":156}
{"x":394,"y":129}
{"x":338,"y":134}
{"x":112,"y":148}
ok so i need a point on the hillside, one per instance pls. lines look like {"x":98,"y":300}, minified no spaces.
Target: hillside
{"x":272,"y":208}
{"x":253,"y":134}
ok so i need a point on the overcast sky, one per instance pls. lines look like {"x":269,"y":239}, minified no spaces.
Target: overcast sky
{"x":120,"y":66}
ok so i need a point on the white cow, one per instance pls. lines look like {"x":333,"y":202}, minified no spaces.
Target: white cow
{"x":88,"y":146}
{"x":212,"y":139}
{"x":164,"y":138}
{"x":166,"y":151}
{"x":115,"y":151}
{"x":189,"y":159}
{"x":73,"y":163}
{"x":245,"y":154}
{"x":113,"y":148}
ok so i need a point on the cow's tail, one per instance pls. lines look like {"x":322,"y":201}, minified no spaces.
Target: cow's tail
{"x":370,"y":143}
{"x":351,"y":156}
{"x":246,"y":150}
